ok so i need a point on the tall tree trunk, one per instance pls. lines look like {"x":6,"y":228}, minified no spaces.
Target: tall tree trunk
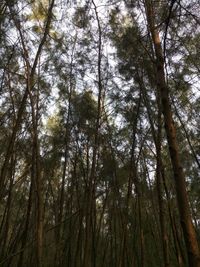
{"x":36,"y":170}
{"x":159,"y":189}
{"x":158,"y":144}
{"x":29,"y":74}
{"x":182,"y":197}
{"x":90,"y":238}
{"x":26,"y":227}
{"x":134,"y":179}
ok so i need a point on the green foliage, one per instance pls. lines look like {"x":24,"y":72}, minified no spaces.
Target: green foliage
{"x":88,"y":184}
{"x":80,"y":18}
{"x":84,"y":110}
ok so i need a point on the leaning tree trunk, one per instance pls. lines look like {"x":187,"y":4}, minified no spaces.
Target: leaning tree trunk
{"x":29,"y":74}
{"x":182,"y":197}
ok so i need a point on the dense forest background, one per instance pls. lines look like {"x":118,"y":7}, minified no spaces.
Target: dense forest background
{"x":99,"y":133}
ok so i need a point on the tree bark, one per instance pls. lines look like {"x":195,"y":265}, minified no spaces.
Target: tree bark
{"x":182,"y":197}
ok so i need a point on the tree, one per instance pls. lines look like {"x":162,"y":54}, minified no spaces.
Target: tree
{"x":99,"y":133}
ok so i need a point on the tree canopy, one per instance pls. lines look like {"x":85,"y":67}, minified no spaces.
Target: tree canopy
{"x":99,"y":133}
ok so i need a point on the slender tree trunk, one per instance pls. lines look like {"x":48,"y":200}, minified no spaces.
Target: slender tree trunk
{"x":90,"y":238}
{"x":36,"y":173}
{"x":29,"y":74}
{"x":186,"y":135}
{"x":157,"y":140}
{"x":182,"y":197}
{"x":159,"y":190}
{"x":6,"y":228}
{"x":36,"y":169}
{"x":26,"y":227}
{"x":134,"y":179}
{"x":174,"y":233}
